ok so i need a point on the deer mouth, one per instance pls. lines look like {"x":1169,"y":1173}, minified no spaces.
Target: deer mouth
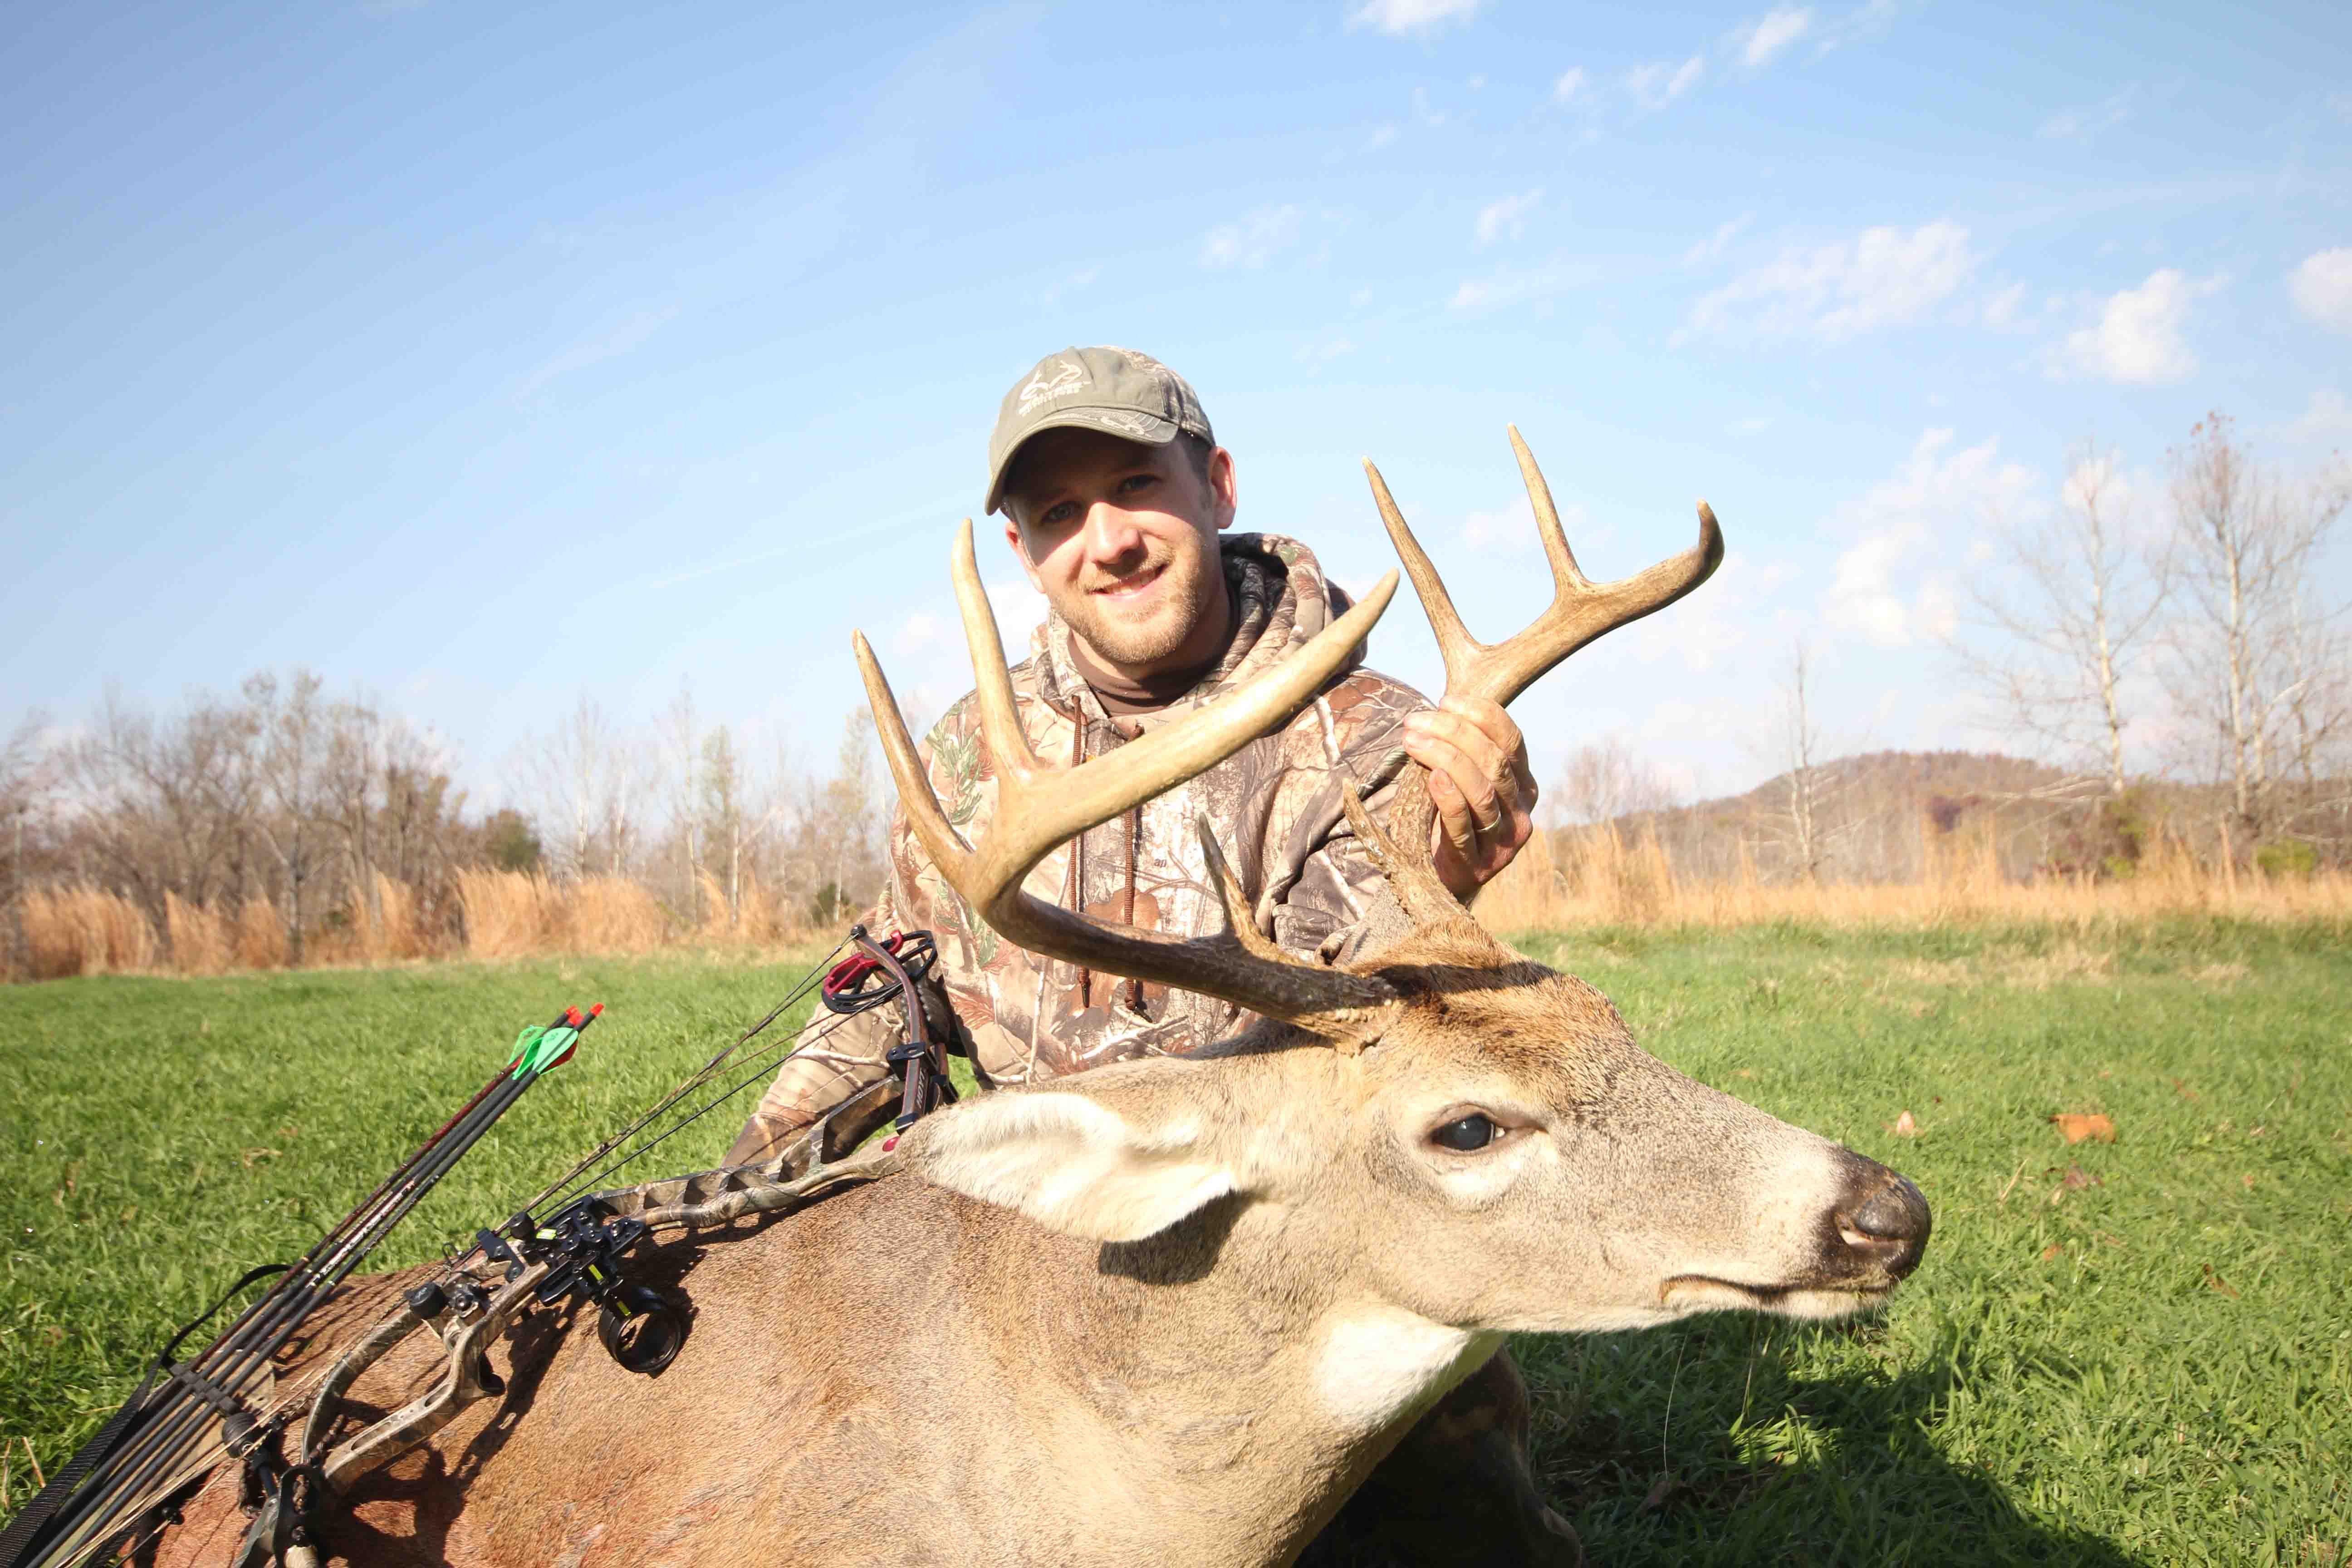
{"x":1687,"y":1293}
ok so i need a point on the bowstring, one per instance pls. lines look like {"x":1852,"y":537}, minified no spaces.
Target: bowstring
{"x":570,"y":1187}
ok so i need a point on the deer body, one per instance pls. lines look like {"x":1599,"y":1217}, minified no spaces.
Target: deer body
{"x":1172,"y":1310}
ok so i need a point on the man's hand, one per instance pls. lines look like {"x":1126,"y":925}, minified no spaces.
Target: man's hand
{"x":1480,"y":783}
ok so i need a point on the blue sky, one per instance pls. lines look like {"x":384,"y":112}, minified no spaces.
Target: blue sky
{"x":478,"y":355}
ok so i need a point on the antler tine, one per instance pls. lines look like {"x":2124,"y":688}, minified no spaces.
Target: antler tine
{"x":1039,"y":807}
{"x":1565,"y":572}
{"x":1455,"y":643}
{"x":1008,"y":744}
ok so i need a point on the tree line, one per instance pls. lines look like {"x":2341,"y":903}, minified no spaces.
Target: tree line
{"x":2199,"y":620}
{"x":319,"y":822}
{"x":2196,"y":620}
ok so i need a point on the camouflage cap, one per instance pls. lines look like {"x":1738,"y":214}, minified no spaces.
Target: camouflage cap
{"x":1116,"y":391}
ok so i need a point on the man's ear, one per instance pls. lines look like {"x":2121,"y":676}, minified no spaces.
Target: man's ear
{"x":1224,"y":487}
{"x":1021,"y":551}
{"x":1118,"y":1157}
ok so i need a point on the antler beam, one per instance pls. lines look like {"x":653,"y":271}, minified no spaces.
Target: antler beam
{"x":1581,"y":609}
{"x":1040,"y":806}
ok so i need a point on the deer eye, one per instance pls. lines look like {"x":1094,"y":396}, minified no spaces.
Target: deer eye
{"x":1466,"y":1134}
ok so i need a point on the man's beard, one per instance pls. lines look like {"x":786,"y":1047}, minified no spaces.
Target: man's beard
{"x":1174,"y":613}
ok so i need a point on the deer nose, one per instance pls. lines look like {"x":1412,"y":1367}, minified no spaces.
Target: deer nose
{"x":1889,"y":1226}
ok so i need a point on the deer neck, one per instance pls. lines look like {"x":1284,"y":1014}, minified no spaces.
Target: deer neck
{"x":1240,"y":1371}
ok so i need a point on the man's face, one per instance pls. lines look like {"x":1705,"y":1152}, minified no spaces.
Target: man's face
{"x":1122,"y":541}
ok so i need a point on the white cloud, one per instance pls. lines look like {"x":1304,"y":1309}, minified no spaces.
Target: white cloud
{"x":1864,"y":21}
{"x":1255,"y":239}
{"x":1761,"y":41}
{"x":1382,"y":136}
{"x":1888,"y":589}
{"x":1569,"y":87}
{"x":2137,"y":340}
{"x":1399,"y":17}
{"x":1884,"y":278}
{"x":1507,"y":217}
{"x":1658,"y":84}
{"x":1707,"y":249}
{"x":1516,"y":286}
{"x":2327,"y":422}
{"x":2322,"y":286}
{"x":2087,"y":121}
{"x":2005,"y":310}
{"x":1320,"y":353}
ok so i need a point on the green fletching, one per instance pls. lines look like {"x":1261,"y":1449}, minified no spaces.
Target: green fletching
{"x":537,"y":1047}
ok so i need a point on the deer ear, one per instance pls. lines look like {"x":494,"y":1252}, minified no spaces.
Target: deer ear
{"x":1074,"y":1163}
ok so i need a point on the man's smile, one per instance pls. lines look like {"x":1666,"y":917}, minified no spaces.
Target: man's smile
{"x":1135,"y":586}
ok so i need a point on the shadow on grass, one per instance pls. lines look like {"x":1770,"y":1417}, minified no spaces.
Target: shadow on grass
{"x":1761,"y":1463}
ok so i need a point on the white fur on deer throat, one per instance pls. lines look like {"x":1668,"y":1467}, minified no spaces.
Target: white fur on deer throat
{"x":1376,"y":1362}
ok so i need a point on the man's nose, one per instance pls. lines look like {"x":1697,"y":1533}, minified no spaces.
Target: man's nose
{"x":1112,"y":533}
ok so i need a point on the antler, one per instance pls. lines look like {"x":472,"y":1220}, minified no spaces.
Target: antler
{"x":1040,"y":806}
{"x":1580,"y":611}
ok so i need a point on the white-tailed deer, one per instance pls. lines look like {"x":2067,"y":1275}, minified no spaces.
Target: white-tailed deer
{"x":1172,"y":1310}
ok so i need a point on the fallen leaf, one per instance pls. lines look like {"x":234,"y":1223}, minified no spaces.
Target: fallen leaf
{"x":2107,"y":1241}
{"x":1904,"y":1126}
{"x":2051,"y":1252}
{"x":1664,"y":1487}
{"x":1741,"y":1072}
{"x":2213,"y":1282}
{"x":2181,"y":1087}
{"x":54,"y":1332}
{"x":2077,"y":1178}
{"x":2249,"y":1179}
{"x":2077,"y":1126}
{"x":252,"y":1157}
{"x":2255,"y":1132}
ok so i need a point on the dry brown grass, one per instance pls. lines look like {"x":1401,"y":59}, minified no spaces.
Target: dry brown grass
{"x":512,"y":915}
{"x":1583,"y":877}
{"x":1596,"y":877}
{"x":201,"y":941}
{"x":83,"y":930}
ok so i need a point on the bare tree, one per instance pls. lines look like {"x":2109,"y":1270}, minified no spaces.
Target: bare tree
{"x":23,"y":780}
{"x":292,"y":727}
{"x":2072,"y":622}
{"x":682,"y":743}
{"x":587,"y":783}
{"x":2256,"y":662}
{"x":730,"y":828}
{"x":353,"y":769}
{"x":852,"y":814}
{"x":164,"y":807}
{"x":1804,"y":824}
{"x":1604,"y":781}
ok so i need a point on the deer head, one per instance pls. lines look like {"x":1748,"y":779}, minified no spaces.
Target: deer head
{"x":1450,"y":1140}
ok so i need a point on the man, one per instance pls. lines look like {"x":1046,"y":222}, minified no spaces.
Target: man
{"x":1116,"y":496}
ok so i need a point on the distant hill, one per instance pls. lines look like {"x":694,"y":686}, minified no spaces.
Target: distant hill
{"x":1874,"y":815}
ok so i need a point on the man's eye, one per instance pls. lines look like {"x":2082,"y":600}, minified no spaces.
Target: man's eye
{"x":1137,"y":481}
{"x":1470,"y":1134}
{"x":1062,"y":512}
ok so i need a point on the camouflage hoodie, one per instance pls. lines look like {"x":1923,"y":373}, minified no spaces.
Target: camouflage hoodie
{"x":1274,"y":806}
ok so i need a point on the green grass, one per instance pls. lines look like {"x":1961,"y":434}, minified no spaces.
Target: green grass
{"x":2174,"y":1384}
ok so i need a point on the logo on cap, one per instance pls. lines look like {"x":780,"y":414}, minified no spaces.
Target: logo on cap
{"x":1065,"y":381}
